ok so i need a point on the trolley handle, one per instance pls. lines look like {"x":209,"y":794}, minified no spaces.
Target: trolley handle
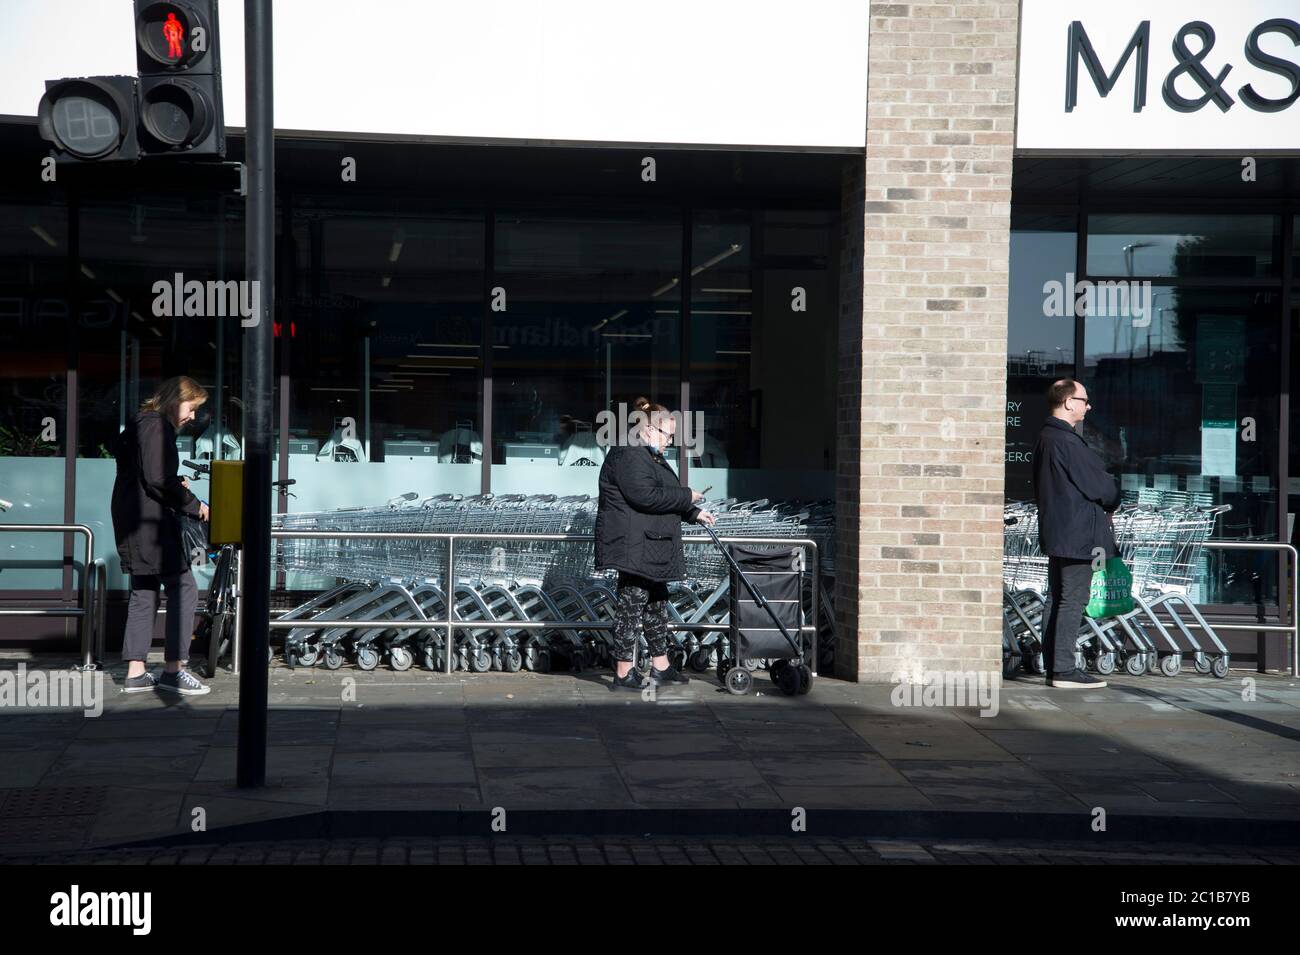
{"x":196,"y":467}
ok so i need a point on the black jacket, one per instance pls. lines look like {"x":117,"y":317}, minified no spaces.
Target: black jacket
{"x":1074,"y":494}
{"x":638,"y":520}
{"x":148,"y":496}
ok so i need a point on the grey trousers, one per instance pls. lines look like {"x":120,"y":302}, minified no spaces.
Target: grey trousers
{"x":182,"y":599}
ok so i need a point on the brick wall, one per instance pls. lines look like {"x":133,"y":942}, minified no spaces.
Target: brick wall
{"x":931,"y":359}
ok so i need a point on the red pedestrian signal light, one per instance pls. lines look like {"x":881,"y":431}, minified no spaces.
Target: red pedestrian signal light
{"x":180,"y":77}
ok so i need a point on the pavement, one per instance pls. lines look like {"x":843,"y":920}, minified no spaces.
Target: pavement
{"x":498,"y":767}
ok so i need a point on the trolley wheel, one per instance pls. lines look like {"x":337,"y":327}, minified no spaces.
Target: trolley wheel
{"x":308,"y":656}
{"x":789,"y":679}
{"x":777,"y":671}
{"x":429,"y":658}
{"x":1202,"y":663}
{"x":542,"y":661}
{"x":699,"y":661}
{"x":512,"y":661}
{"x":1081,"y":660}
{"x":805,"y":679}
{"x":724,"y":667}
{"x":1106,"y":663}
{"x":400,"y":658}
{"x":367,"y":658}
{"x":1220,"y":666}
{"x":481,"y":661}
{"x":1135,"y":664}
{"x":332,"y":658}
{"x":270,"y":655}
{"x":1034,"y":663}
{"x":1171,"y":664}
{"x":677,"y":658}
{"x":752,"y":664}
{"x":739,"y":680}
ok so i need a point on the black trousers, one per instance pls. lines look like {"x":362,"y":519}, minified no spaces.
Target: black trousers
{"x":1069,"y":581}
{"x":641,"y":607}
{"x":182,"y":599}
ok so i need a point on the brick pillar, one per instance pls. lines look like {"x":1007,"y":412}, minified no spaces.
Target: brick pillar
{"x":929,"y":472}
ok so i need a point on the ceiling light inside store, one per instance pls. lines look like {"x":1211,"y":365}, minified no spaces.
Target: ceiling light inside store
{"x":399,"y":238}
{"x":45,"y":237}
{"x":665,"y":288}
{"x":623,"y":335}
{"x":613,"y":318}
{"x":729,"y":291}
{"x":85,"y":270}
{"x":732,"y":250}
{"x":703,"y":311}
{"x":441,"y":345}
{"x":724,"y":351}
{"x":113,"y":295}
{"x":385,"y":281}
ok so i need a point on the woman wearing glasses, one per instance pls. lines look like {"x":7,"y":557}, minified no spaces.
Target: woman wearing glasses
{"x":638,"y":533}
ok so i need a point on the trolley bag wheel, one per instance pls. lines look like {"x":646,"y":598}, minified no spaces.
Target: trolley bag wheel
{"x":752,"y":665}
{"x":1081,"y":660}
{"x":739,"y":681}
{"x":481,"y":661}
{"x":1106,"y":663}
{"x":790,"y":679}
{"x":699,"y":661}
{"x":1034,"y":663}
{"x":304,"y":657}
{"x":1171,"y":664}
{"x":400,"y":658}
{"x":367,"y":658}
{"x":512,"y":661}
{"x":332,"y":658}
{"x":1201,"y":662}
{"x":1220,"y":666}
{"x":777,"y":670}
{"x":1135,"y":664}
{"x":805,"y":678}
{"x":540,"y":659}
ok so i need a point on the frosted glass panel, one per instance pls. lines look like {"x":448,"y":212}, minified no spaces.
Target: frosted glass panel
{"x":32,"y":561}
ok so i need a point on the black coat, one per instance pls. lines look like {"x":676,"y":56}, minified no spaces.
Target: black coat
{"x":148,"y":496}
{"x":1075,"y":495}
{"x":638,"y":521}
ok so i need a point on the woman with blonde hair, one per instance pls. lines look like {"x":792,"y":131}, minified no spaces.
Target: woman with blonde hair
{"x":639,"y":534}
{"x":148,"y":497}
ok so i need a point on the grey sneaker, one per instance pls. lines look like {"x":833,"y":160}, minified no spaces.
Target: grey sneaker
{"x":183,"y":682}
{"x":1075,"y":680}
{"x":139,"y":684}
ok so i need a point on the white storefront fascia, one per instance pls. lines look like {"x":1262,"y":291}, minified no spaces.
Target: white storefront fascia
{"x":1220,"y":78}
{"x":709,"y":72}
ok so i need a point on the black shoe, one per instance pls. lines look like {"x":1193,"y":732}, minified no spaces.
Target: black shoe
{"x":1075,"y":680}
{"x":634,"y":680}
{"x":667,"y":677}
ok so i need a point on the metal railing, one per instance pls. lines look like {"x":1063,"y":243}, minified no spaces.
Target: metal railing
{"x":1293,"y":628}
{"x":450,"y":624}
{"x":91,"y":592}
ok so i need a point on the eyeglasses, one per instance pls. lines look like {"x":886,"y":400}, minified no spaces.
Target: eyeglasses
{"x":1083,"y":398}
{"x":666,"y":434}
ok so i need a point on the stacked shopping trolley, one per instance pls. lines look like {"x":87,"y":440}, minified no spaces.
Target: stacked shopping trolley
{"x":1161,"y":535}
{"x":403,"y":577}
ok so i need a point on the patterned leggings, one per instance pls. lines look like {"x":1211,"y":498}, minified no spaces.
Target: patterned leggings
{"x":642,"y":607}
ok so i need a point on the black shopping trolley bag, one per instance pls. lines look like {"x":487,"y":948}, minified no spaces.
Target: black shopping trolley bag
{"x":776,"y":572}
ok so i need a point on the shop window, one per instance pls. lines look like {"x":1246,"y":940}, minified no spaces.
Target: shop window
{"x":1040,"y":334}
{"x":1185,"y":398}
{"x":34,"y":314}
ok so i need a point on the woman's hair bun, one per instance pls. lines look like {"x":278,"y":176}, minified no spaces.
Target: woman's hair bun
{"x":641,"y":404}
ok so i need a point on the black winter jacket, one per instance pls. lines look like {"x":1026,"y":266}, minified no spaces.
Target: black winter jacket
{"x":148,"y":496}
{"x":638,"y":520}
{"x":1075,"y":495}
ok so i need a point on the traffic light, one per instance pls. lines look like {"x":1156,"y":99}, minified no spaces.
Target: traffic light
{"x":178,"y":54}
{"x":90,"y":118}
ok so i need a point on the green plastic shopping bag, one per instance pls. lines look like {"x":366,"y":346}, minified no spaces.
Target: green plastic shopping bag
{"x":1112,"y":590}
